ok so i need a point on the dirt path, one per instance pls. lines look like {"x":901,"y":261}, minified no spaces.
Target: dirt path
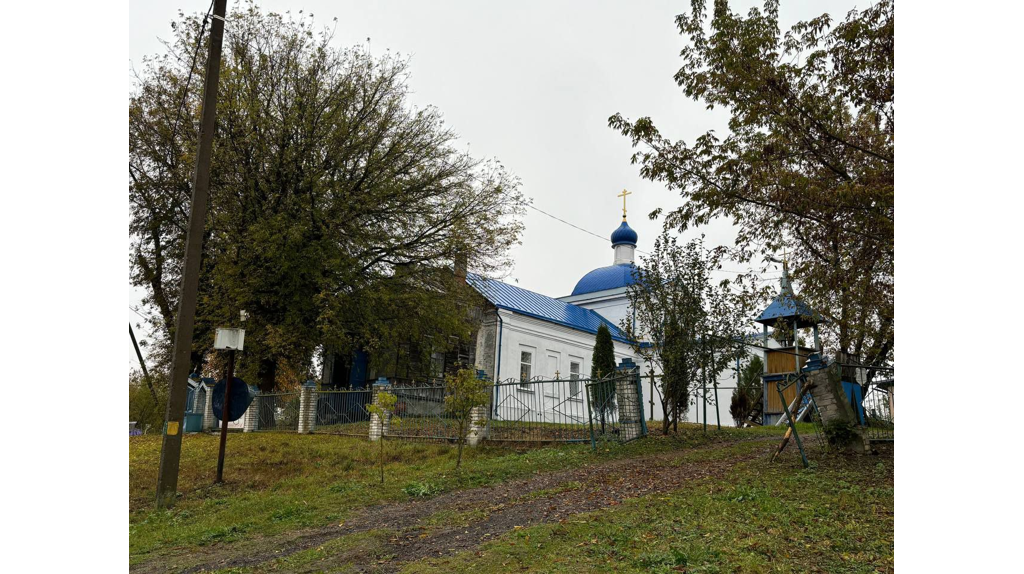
{"x":486,"y":512}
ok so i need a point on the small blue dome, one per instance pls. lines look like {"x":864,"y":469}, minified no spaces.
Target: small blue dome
{"x":624,"y":235}
{"x":611,"y":277}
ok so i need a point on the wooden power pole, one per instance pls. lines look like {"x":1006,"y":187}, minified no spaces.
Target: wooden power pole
{"x":170,"y":453}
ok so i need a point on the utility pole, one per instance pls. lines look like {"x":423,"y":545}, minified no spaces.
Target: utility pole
{"x":170,"y":453}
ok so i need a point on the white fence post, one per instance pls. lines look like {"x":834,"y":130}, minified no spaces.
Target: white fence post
{"x":251,"y":418}
{"x":378,"y":425}
{"x":477,"y":426}
{"x":209,"y":421}
{"x":307,"y":408}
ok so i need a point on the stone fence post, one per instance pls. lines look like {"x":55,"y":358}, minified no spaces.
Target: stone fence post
{"x":379,"y":426}
{"x":628,"y":402}
{"x":209,"y":421}
{"x":477,"y":425}
{"x":826,"y":388}
{"x":251,"y":418}
{"x":307,"y":407}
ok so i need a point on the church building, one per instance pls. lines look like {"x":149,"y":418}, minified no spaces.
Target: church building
{"x":526,"y":335}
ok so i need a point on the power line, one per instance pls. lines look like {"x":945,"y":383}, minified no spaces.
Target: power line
{"x":191,"y":70}
{"x":603,"y":238}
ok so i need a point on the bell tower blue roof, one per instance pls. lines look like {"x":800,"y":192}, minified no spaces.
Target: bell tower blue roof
{"x":788,"y":307}
{"x":624,"y":235}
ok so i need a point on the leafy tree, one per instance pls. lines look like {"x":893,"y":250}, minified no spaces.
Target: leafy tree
{"x":808,"y":161}
{"x":464,"y":391}
{"x":685,"y":324}
{"x":146,"y":406}
{"x":602,"y":367}
{"x":748,"y":390}
{"x":383,"y":408}
{"x":337,"y":209}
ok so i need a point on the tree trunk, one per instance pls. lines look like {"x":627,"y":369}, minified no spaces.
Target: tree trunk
{"x":267,"y":374}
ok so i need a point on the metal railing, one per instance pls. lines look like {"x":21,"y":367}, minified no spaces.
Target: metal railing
{"x":878,"y":413}
{"x":343,"y":412}
{"x":277,"y":411}
{"x":539,"y":410}
{"x":422,"y":413}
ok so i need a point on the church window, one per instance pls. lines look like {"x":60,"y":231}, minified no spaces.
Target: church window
{"x":574,"y":378}
{"x":525,"y":367}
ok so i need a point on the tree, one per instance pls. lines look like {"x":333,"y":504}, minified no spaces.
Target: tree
{"x":748,"y":390}
{"x":383,"y":408}
{"x":686,"y":326}
{"x":464,"y":391}
{"x":808,"y":161}
{"x":602,"y":367}
{"x":337,"y":209}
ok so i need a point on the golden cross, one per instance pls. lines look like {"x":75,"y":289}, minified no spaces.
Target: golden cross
{"x":623,"y":196}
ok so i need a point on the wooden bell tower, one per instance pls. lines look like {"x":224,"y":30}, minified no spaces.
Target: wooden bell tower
{"x":788,"y":314}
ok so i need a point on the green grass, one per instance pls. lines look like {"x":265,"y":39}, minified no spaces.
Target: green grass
{"x":835,"y":517}
{"x":279,"y":482}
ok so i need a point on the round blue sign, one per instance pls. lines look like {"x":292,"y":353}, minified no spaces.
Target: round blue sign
{"x":240,"y":399}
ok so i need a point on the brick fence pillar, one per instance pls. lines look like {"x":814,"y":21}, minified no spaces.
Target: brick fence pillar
{"x":251,"y":418}
{"x":379,"y":426}
{"x":826,"y":389}
{"x":631,"y":416}
{"x":477,"y":426}
{"x":209,"y":421}
{"x":307,"y":408}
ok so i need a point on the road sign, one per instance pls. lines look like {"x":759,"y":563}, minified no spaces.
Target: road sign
{"x":229,"y":339}
{"x":241,"y":397}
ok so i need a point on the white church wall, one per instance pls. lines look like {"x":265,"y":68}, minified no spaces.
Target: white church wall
{"x":553,"y":348}
{"x":543,"y":338}
{"x":726,"y":384}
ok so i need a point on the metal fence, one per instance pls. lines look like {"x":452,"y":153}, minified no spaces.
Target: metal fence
{"x":422,"y":413}
{"x":539,"y":410}
{"x":878,"y":413}
{"x":616,"y":410}
{"x":343,"y":412}
{"x":277,"y":411}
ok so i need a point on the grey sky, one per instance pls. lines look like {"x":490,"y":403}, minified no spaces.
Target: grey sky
{"x":533,"y":84}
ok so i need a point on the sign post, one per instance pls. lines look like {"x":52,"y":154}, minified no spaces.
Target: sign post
{"x":231,"y":340}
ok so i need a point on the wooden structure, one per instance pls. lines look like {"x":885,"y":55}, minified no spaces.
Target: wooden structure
{"x":788,"y":315}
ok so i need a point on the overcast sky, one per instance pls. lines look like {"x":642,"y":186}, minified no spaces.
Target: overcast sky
{"x":532,"y":84}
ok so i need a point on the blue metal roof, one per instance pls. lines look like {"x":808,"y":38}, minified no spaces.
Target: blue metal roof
{"x":519,"y":300}
{"x":789,"y":307}
{"x":786,"y":305}
{"x":624,"y":235}
{"x":611,"y":277}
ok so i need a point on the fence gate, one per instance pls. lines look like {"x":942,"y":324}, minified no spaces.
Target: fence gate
{"x":539,"y":410}
{"x":344,"y":412}
{"x":277,"y":411}
{"x":878,"y":412}
{"x":422,"y":412}
{"x":616,"y":408}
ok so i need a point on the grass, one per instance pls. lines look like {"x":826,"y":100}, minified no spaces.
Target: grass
{"x":835,"y":517}
{"x":279,"y":482}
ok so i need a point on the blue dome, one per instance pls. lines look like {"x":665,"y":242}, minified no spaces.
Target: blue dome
{"x":611,"y":277}
{"x":624,"y":235}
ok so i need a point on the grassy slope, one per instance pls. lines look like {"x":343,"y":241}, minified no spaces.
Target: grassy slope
{"x":835,"y":517}
{"x":278,"y":482}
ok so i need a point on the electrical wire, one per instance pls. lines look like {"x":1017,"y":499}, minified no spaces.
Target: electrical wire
{"x":603,"y":238}
{"x":191,"y":71}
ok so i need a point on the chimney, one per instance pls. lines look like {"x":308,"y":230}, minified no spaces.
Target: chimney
{"x":460,"y":266}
